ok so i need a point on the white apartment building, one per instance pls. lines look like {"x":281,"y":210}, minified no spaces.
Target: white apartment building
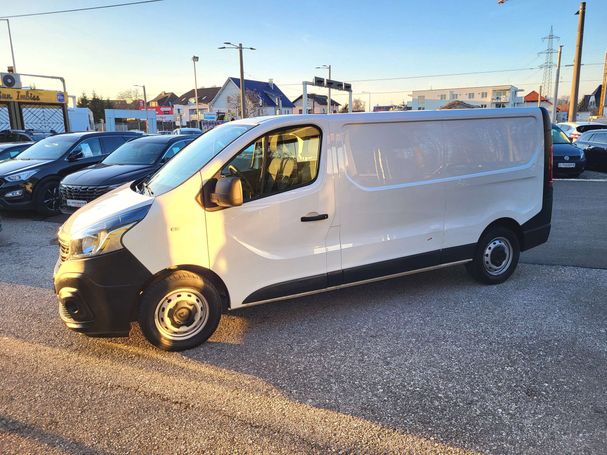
{"x":490,"y":96}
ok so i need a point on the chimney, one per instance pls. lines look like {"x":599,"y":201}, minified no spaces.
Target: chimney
{"x":271,"y":82}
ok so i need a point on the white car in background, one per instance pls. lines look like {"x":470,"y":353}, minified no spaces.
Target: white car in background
{"x":574,"y":130}
{"x":190,"y":131}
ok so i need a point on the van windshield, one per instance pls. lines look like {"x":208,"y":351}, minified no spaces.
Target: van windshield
{"x":194,"y":157}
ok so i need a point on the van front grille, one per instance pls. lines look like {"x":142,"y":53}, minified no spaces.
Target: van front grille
{"x":64,"y":250}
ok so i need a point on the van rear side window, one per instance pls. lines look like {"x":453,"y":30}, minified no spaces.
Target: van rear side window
{"x":400,"y":153}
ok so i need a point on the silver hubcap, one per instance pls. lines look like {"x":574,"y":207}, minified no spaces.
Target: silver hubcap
{"x":497,"y":256}
{"x":181,"y":314}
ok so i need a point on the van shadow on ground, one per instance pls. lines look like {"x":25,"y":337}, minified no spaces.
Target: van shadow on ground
{"x":434,"y":354}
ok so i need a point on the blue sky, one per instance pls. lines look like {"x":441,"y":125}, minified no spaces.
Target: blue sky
{"x":110,"y":50}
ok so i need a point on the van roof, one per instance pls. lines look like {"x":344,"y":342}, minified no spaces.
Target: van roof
{"x":357,"y":117}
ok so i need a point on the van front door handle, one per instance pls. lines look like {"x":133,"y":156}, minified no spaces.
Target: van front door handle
{"x":317,"y":217}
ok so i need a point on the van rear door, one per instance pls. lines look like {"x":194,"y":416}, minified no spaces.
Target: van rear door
{"x":391,"y":208}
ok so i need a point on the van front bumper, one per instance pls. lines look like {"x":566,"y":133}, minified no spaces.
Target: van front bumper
{"x":98,"y":295}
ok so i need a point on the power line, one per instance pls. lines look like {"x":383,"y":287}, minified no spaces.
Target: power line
{"x":115,"y":5}
{"x":421,"y":76}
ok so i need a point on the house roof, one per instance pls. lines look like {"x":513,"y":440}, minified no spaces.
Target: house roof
{"x":457,"y":104}
{"x":165,"y":99}
{"x":266,"y":91}
{"x":318,"y":99}
{"x":205,"y":95}
{"x":584,"y":103}
{"x":532,"y":97}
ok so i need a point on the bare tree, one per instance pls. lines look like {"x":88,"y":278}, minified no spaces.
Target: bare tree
{"x":358,"y":105}
{"x":129,"y":95}
{"x":252,"y":101}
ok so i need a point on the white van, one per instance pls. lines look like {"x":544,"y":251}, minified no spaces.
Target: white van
{"x":263,"y":209}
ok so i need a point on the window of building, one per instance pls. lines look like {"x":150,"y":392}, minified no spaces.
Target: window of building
{"x":276,"y":162}
{"x":421,"y":100}
{"x":453,"y":96}
{"x":442,"y":97}
{"x":471,"y":96}
{"x":483,"y":94}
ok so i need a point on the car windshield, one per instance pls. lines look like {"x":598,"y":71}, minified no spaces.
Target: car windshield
{"x":51,"y":148}
{"x":194,"y":157}
{"x":137,"y":152}
{"x":558,"y":137}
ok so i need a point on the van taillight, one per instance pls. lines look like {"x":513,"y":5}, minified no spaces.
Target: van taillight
{"x":550,"y":166}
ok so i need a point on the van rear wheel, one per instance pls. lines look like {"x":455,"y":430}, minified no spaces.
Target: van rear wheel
{"x":180,"y":311}
{"x":496,"y":256}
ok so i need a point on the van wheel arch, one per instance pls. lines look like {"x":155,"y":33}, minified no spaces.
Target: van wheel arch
{"x":204,"y":273}
{"x":507,"y":223}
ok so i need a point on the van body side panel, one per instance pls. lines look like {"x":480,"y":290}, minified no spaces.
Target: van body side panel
{"x":174,"y":232}
{"x":390,"y":204}
{"x":496,"y":170}
{"x":263,"y":242}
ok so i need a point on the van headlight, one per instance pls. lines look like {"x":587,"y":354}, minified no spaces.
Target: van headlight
{"x":99,"y":242}
{"x":105,"y":236}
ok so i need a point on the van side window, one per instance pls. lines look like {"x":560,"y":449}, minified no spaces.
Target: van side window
{"x":276,"y":162}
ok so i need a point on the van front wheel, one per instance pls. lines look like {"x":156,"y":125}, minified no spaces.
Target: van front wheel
{"x":496,"y":256}
{"x":180,"y":311}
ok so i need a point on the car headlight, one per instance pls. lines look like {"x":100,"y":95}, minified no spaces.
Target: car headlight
{"x":20,"y":176}
{"x":105,"y":236}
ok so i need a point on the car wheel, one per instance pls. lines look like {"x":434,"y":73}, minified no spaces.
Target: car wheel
{"x":47,"y":199}
{"x":180,"y":311}
{"x":496,"y":256}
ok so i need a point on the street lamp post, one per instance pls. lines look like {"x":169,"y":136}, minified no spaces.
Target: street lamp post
{"x":10,"y":40}
{"x":369,"y":94}
{"x":240,"y":48}
{"x":194,"y":60}
{"x":328,"y":67}
{"x":145,"y":106}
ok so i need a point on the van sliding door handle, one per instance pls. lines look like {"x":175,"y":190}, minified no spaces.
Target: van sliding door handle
{"x":322,"y":216}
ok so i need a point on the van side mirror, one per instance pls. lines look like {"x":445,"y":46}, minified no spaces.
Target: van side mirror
{"x":228,"y":192}
{"x":75,"y":154}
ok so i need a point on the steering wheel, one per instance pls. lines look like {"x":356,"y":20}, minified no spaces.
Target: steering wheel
{"x":248,"y":187}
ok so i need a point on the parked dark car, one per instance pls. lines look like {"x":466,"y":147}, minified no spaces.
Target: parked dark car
{"x":23,"y":135}
{"x":594,"y":144}
{"x":10,"y":150}
{"x":31,"y":180}
{"x":131,"y":161}
{"x":568,"y":159}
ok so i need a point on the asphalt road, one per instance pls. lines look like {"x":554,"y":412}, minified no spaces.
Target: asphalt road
{"x":430,"y":363}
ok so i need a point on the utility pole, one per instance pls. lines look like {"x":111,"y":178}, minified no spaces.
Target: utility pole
{"x":194,"y":60}
{"x":228,"y":45}
{"x":601,"y":112}
{"x":539,"y":97}
{"x":556,"y":83}
{"x":577,"y":63}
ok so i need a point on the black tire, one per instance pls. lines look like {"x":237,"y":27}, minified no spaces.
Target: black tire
{"x":47,"y":200}
{"x":162,"y":316}
{"x":496,"y":257}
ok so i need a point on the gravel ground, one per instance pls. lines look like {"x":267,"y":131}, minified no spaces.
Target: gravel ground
{"x":431,"y":363}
